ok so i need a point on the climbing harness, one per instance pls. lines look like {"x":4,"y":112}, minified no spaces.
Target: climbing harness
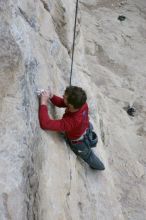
{"x":89,"y":137}
{"x":73,"y":46}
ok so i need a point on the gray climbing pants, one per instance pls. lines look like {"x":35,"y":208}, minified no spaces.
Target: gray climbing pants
{"x":82,"y":149}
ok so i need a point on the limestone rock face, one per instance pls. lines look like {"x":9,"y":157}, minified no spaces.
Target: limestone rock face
{"x":40,"y":177}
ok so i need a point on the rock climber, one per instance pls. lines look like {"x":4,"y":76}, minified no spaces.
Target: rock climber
{"x":74,"y":123}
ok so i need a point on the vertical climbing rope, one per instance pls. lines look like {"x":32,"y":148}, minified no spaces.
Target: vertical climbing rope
{"x":74,"y":35}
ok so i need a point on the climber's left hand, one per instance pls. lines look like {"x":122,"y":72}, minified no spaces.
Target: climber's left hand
{"x":45,"y":95}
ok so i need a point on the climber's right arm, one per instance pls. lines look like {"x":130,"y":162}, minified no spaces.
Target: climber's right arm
{"x":58,"y":101}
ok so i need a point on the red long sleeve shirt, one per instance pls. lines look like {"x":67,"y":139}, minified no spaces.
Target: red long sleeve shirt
{"x":73,"y":124}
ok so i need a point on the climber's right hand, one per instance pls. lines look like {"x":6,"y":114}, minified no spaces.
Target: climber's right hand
{"x":50,"y":92}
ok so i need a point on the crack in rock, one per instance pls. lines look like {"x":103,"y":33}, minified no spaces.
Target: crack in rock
{"x":102,"y":131}
{"x":30,"y":20}
{"x":32,"y":184}
{"x":46,"y":6}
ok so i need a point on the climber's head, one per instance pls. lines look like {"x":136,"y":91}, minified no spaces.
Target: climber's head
{"x":74,"y":97}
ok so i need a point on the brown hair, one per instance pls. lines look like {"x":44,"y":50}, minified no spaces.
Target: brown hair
{"x":76,"y":96}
